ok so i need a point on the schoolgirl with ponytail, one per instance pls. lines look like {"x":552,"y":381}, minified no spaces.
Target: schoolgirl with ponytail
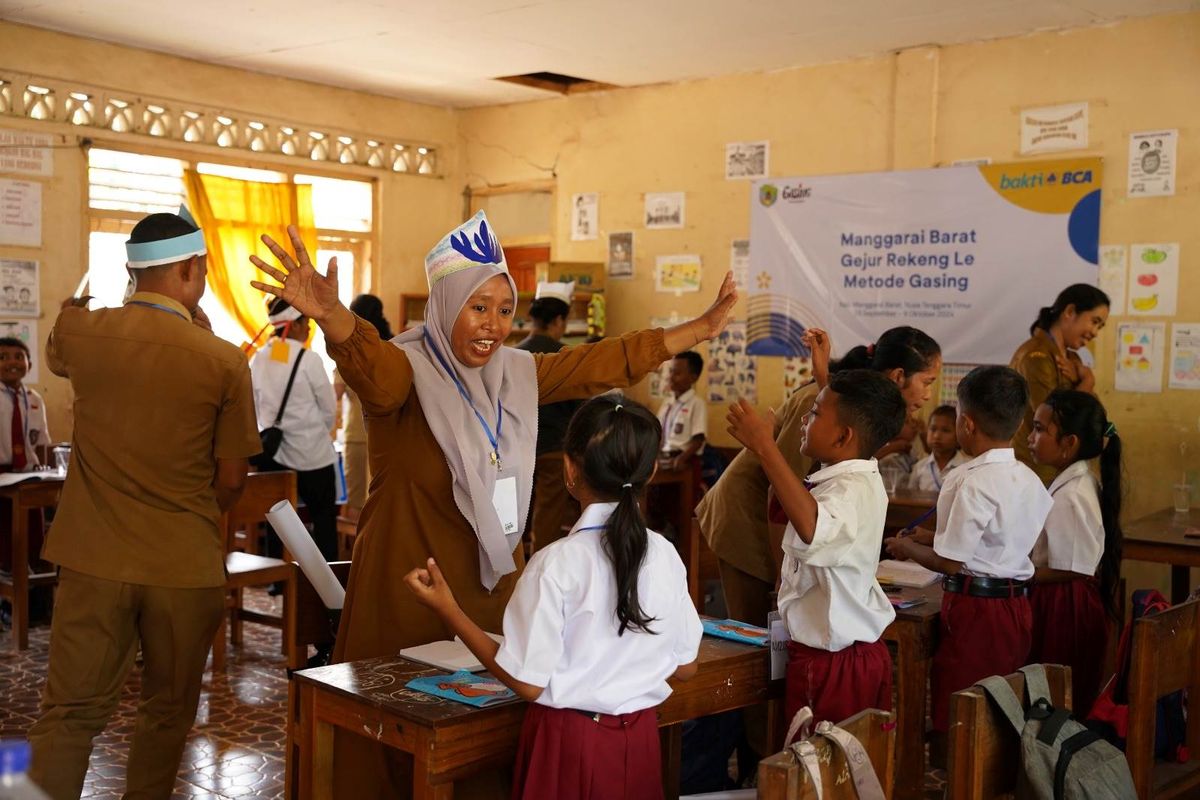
{"x":596,"y":625}
{"x":1077,"y":558}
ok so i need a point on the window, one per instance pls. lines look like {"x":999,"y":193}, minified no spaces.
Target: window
{"x":124,"y":187}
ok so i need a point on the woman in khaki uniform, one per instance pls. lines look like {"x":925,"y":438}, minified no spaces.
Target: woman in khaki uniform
{"x":1047,"y":359}
{"x":442,"y":456}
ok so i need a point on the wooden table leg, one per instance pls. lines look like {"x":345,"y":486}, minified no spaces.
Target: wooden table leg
{"x":322,"y":760}
{"x":424,"y":785}
{"x":670,"y":740}
{"x":305,"y":743}
{"x":912,"y":694}
{"x":20,"y":574}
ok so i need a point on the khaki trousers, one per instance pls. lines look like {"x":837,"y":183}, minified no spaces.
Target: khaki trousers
{"x":93,"y":640}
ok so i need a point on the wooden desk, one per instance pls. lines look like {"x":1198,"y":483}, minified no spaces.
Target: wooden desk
{"x":905,"y":505}
{"x":23,"y":498}
{"x":684,"y":483}
{"x":915,"y":633}
{"x":1159,"y":537}
{"x":449,"y":741}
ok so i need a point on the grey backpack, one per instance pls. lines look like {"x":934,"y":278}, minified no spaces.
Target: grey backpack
{"x":1060,"y":758}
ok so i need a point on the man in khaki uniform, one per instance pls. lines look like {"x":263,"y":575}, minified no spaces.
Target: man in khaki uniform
{"x":164,"y":424}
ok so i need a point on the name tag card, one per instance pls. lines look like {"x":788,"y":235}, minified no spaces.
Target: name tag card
{"x":504,"y":499}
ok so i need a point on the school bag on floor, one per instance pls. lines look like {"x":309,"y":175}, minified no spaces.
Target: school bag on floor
{"x":1060,"y":758}
{"x":1110,"y":713}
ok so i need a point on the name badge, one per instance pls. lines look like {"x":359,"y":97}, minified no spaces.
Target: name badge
{"x":504,"y":499}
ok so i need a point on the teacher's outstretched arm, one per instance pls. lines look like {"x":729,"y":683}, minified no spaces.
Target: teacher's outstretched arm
{"x":312,"y":294}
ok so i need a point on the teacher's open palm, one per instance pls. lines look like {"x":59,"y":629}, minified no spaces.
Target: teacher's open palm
{"x":312,"y":294}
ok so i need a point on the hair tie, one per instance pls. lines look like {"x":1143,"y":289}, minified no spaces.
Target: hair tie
{"x":617,"y":407}
{"x":871,"y":350}
{"x":1111,"y":430}
{"x":626,"y":485}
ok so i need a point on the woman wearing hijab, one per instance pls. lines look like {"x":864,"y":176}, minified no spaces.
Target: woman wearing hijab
{"x":451,"y":430}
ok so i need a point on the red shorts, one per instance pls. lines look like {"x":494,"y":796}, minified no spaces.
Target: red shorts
{"x":1070,"y":626}
{"x":838,"y":685}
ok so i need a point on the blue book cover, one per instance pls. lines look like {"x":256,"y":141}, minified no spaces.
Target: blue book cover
{"x":464,"y":687}
{"x":737,"y":631}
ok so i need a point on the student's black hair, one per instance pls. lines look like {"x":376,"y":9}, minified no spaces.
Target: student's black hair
{"x":370,"y":308}
{"x":615,"y":442}
{"x":694,"y":360}
{"x":1083,"y":296}
{"x":157,"y":227}
{"x":12,"y":341}
{"x":909,"y":349}
{"x":944,"y":411}
{"x":1080,"y":414}
{"x":869,"y":404}
{"x":996,"y":398}
{"x":547,"y":309}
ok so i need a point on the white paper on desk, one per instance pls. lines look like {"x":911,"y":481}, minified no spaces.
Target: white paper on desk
{"x":299,"y":542}
{"x":450,"y":655}
{"x":905,"y":573}
{"x":13,"y":478}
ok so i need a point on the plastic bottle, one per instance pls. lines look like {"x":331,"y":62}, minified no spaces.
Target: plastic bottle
{"x":15,"y":784}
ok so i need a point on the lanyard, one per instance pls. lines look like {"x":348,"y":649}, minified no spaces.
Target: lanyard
{"x":937,"y":481}
{"x":672,"y":414}
{"x":494,"y":438}
{"x":159,"y":306}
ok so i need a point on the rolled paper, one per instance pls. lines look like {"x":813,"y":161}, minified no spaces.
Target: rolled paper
{"x":83,"y":282}
{"x":296,"y":539}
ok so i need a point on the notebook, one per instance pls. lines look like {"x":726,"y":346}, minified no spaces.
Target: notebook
{"x":464,"y":687}
{"x":737,"y":631}
{"x":905,"y":573}
{"x":450,"y":655}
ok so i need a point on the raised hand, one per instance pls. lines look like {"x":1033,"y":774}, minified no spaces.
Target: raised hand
{"x":756,"y":431}
{"x":717,"y":316}
{"x":817,"y":341}
{"x":430,"y":588}
{"x":312,"y":294}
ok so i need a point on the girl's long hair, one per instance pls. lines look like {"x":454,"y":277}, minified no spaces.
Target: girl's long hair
{"x":910,"y":349}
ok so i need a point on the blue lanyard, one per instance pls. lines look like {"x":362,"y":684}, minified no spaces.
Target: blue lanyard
{"x":933,"y":471}
{"x":159,"y":306}
{"x":494,"y":438}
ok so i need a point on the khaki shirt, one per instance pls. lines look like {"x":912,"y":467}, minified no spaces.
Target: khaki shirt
{"x":157,"y":401}
{"x":733,"y":515}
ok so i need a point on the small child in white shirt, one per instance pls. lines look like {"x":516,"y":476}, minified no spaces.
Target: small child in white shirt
{"x":684,"y":415}
{"x":829,"y":597}
{"x":928,"y":474}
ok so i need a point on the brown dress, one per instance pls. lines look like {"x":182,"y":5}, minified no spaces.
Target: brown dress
{"x":1035,"y":360}
{"x":410,"y":512}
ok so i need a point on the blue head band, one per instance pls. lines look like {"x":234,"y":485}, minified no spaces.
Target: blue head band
{"x":167,"y":251}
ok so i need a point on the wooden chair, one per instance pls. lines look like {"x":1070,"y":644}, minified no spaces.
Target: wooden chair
{"x":246,"y":569}
{"x":1165,"y":658}
{"x":781,"y":778}
{"x":984,"y":749}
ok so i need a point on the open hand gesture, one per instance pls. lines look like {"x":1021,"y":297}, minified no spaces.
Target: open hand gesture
{"x":756,"y":431}
{"x":312,"y":294}
{"x":717,"y":316}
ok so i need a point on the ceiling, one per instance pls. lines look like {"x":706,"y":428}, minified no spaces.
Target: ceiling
{"x":448,"y":52}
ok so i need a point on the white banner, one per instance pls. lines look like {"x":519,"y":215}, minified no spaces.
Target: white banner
{"x":967,"y":254}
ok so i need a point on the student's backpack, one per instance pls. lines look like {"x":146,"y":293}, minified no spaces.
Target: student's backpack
{"x":1060,"y":758}
{"x":1110,"y":713}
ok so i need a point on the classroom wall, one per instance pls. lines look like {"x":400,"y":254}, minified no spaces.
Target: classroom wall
{"x":919,"y":108}
{"x":411,"y":211}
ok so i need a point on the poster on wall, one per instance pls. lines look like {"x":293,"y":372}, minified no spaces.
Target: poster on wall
{"x":960,"y":252}
{"x":21,"y":213}
{"x":1050,"y":128}
{"x":1185,"y":356}
{"x":739,"y":261}
{"x":1114,"y":269}
{"x":664,"y":210}
{"x":27,"y":331}
{"x":26,"y":153}
{"x":1152,"y":163}
{"x":731,"y":373}
{"x":1153,"y":279}
{"x":585,"y":217}
{"x":19,"y":291}
{"x":620,"y":254}
{"x":1139,"y":356}
{"x":797,"y":372}
{"x":746,"y":160}
{"x":677,"y":274}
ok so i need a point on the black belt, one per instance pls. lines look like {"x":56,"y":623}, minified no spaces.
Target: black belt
{"x":607,"y":720}
{"x":982,"y":586}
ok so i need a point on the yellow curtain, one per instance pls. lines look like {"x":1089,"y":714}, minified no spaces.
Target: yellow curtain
{"x":234,"y":214}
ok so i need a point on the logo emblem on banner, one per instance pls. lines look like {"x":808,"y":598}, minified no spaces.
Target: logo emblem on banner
{"x":768,"y":193}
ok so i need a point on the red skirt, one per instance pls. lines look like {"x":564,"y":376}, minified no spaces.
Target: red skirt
{"x":566,"y":755}
{"x":1070,"y":627}
{"x":838,"y":685}
{"x":980,"y":636}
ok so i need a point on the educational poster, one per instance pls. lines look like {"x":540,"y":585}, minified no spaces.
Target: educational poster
{"x":731,"y":373}
{"x":18,"y":288}
{"x":620,"y":255}
{"x":739,"y":261}
{"x":21,"y":213}
{"x":1139,"y":356}
{"x":939,"y":249}
{"x":27,"y":331}
{"x":1050,"y":128}
{"x":746,"y":160}
{"x":677,"y":273}
{"x":1153,"y":279}
{"x":664,"y":210}
{"x":1185,"y":356}
{"x":797,"y":371}
{"x":660,"y":378}
{"x":585,"y":217}
{"x":26,"y":153}
{"x":1152,"y":163}
{"x":952,"y":375}
{"x":1114,"y":268}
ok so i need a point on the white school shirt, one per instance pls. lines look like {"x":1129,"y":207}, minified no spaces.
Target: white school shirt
{"x":560,"y":626}
{"x":990,"y":513}
{"x":925,"y":475}
{"x":307,"y":421}
{"x":682,"y":419}
{"x":33,"y":419}
{"x":828,"y":596}
{"x":1072,"y":538}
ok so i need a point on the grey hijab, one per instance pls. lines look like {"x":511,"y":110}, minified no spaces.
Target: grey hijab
{"x":508,"y":380}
